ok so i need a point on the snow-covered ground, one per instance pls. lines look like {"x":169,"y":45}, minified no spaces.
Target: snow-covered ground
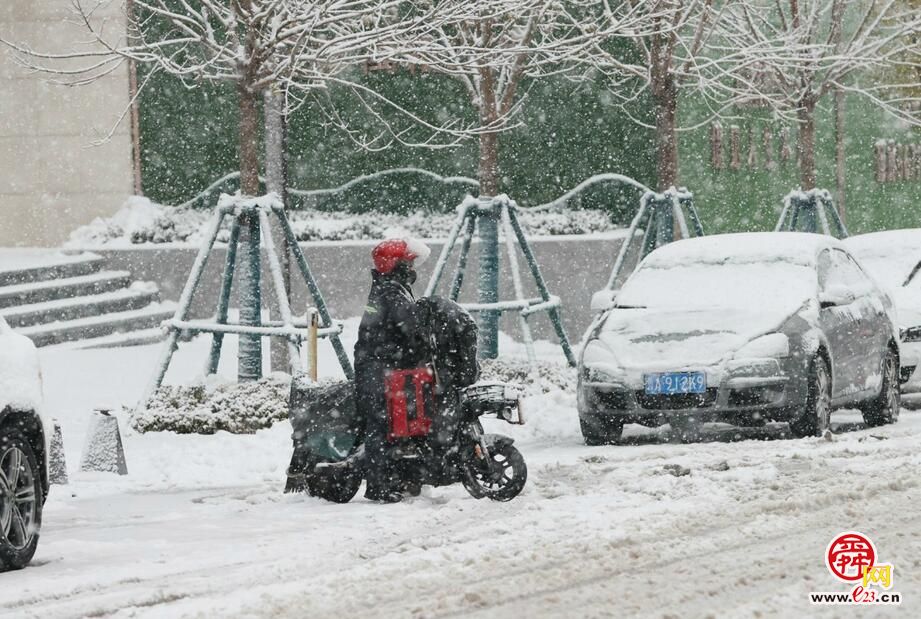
{"x":200,"y":527}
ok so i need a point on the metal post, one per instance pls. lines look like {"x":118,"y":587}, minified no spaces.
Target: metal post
{"x":516,"y":282}
{"x":312,"y":352}
{"x":223,"y":303}
{"x":665,"y":232}
{"x":554,"y":312}
{"x":462,"y":259}
{"x":281,"y":291}
{"x":625,"y":247}
{"x":317,"y":296}
{"x":249,"y":358}
{"x":488,"y":280}
{"x":185,"y":300}
{"x":446,"y":250}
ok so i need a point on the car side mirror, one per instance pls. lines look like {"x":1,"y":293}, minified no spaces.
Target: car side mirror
{"x":835,"y":296}
{"x":603,"y":300}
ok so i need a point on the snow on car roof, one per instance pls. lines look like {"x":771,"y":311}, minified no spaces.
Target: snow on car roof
{"x":747,"y":247}
{"x":890,"y":255}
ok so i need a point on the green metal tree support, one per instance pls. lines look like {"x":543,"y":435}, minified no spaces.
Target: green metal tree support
{"x":489,"y":215}
{"x":250,"y":224}
{"x":660,"y":216}
{"x":811,"y":211}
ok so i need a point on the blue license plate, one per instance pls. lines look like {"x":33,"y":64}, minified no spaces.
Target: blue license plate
{"x":672,"y":383}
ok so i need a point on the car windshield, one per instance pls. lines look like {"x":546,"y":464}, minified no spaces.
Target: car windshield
{"x":728,"y":284}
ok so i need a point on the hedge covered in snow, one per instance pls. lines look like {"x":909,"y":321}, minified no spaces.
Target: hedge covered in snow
{"x":244,"y":408}
{"x":141,"y":221}
{"x":239,"y":408}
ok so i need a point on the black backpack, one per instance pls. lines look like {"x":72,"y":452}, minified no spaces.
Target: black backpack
{"x":453,"y":334}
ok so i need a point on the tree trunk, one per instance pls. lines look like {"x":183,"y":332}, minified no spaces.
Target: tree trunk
{"x":666,"y":109}
{"x":488,"y":172}
{"x":249,"y":142}
{"x":249,"y":359}
{"x":840,"y":154}
{"x":806,"y":145}
{"x":276,"y":181}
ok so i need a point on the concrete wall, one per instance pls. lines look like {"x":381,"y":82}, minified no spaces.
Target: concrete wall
{"x":51,"y":178}
{"x":573,"y":268}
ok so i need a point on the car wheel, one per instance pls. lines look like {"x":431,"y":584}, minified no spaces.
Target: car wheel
{"x":816,"y":415}
{"x":885,"y":408}
{"x":20,"y":501}
{"x":601,"y":432}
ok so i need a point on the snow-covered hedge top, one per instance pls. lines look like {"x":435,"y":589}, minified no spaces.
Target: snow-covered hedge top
{"x":141,"y":221}
{"x":889,"y":256}
{"x":20,"y":377}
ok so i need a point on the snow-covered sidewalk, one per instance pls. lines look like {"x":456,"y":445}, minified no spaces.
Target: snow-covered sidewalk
{"x":200,"y":527}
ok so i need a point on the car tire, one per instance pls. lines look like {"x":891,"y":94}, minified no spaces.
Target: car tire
{"x":885,"y":408}
{"x":20,"y":501}
{"x":816,"y":415}
{"x":601,"y":432}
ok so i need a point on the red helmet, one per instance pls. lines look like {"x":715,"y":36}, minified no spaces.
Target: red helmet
{"x":388,"y":254}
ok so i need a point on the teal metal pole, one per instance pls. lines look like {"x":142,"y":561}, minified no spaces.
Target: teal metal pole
{"x":665,"y":230}
{"x":315,"y":293}
{"x":462,"y":260}
{"x":249,"y":357}
{"x":223,"y":304}
{"x":554,"y":312}
{"x":488,"y":281}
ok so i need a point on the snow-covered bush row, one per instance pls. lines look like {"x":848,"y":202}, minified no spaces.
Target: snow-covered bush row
{"x":141,"y":221}
{"x":239,"y":408}
{"x":243,"y":408}
{"x":553,"y":376}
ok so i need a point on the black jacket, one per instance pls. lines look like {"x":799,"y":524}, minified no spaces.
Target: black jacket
{"x":392,"y":334}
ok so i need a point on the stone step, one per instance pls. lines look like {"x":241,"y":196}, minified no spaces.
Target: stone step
{"x":135,"y":297}
{"x":99,"y":326}
{"x":81,"y":286}
{"x":143,"y":337}
{"x":46,"y":266}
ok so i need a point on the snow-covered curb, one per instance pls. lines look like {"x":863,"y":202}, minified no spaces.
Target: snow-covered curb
{"x":142,"y":222}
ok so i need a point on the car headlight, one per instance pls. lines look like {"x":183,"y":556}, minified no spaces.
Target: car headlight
{"x":598,"y":375}
{"x":770,"y":346}
{"x":911,"y":334}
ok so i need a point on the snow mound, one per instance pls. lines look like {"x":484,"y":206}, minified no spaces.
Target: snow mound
{"x":238,"y":408}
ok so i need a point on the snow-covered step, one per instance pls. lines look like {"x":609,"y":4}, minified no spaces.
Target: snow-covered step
{"x":117,"y":340}
{"x":81,"y":286}
{"x":25,"y":267}
{"x":98,"y":326}
{"x":139,"y":295}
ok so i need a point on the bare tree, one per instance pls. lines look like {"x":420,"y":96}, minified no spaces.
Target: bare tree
{"x":294,"y":48}
{"x":852,"y":47}
{"x":493,"y":46}
{"x":682,"y":48}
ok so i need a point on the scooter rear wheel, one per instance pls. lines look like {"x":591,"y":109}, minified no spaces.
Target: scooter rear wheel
{"x":501,"y":480}
{"x":334,"y":484}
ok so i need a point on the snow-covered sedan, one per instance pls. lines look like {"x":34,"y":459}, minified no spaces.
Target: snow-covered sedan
{"x":740,"y":328}
{"x":893,"y":258}
{"x":23,"y":449}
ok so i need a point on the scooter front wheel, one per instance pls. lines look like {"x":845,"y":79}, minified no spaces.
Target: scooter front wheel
{"x":501,"y":477}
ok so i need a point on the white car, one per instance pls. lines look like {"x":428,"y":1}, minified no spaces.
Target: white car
{"x":893,"y":258}
{"x":24,"y":448}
